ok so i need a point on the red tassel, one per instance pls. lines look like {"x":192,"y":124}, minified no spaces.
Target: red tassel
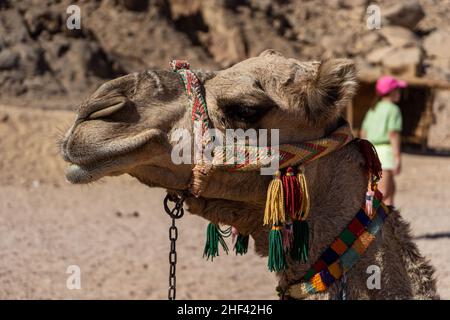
{"x":373,"y":164}
{"x":377,"y":194}
{"x":292,"y":193}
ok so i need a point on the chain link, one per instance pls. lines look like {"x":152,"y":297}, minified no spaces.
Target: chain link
{"x":176,"y":213}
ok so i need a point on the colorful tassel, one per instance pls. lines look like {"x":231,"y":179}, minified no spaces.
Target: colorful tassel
{"x":305,"y":202}
{"x":292,"y":194}
{"x":214,"y":236}
{"x":374,"y":170}
{"x":304,"y":241}
{"x":373,"y":164}
{"x":240,"y":241}
{"x":277,"y":259}
{"x":300,"y":245}
{"x":274,"y":213}
{"x":241,"y":244}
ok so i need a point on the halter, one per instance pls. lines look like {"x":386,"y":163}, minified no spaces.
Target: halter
{"x":296,"y":154}
{"x":288,"y":204}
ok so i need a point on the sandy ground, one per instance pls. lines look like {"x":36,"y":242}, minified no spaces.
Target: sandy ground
{"x":116,"y":231}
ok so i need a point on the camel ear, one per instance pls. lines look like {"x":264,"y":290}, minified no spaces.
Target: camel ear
{"x":330,"y":90}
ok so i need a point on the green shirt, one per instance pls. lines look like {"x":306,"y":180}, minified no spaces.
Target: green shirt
{"x":380,"y":120}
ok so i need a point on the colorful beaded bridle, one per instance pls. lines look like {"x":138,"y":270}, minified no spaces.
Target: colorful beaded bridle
{"x":288,"y":204}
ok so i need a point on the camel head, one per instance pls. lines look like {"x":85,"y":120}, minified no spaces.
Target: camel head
{"x":127,"y":124}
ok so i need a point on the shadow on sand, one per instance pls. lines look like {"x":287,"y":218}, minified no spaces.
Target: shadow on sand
{"x":410,"y":149}
{"x":431,"y":236}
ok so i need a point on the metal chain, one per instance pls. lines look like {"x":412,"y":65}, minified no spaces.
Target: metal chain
{"x":176,"y":213}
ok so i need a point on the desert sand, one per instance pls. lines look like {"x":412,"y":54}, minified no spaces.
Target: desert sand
{"x":116,"y":231}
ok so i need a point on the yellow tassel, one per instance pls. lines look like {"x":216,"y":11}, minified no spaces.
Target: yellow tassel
{"x":305,"y":194}
{"x":274,"y":213}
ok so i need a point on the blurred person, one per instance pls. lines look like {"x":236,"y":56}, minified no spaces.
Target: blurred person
{"x":382,"y":126}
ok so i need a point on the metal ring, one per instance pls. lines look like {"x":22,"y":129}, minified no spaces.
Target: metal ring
{"x":177,"y":212}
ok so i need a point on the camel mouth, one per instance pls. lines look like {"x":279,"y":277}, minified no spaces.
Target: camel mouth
{"x":108,"y":159}
{"x":86,"y":172}
{"x":77,"y":174}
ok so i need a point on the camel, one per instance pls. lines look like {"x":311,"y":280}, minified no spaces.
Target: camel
{"x":125,"y":127}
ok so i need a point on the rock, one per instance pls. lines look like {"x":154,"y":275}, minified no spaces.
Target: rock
{"x":135,"y":5}
{"x":31,"y":59}
{"x":377,"y":55}
{"x":39,"y":56}
{"x":403,"y":61}
{"x":367,"y":70}
{"x":35,"y":183}
{"x":39,"y":20}
{"x":404,"y":13}
{"x":439,"y":132}
{"x":9,"y":59}
{"x":335,"y":47}
{"x":263,"y":5}
{"x":366,"y":42}
{"x":43,"y":85}
{"x":226,"y":40}
{"x":4,"y":117}
{"x":398,"y":36}
{"x":435,"y":71}
{"x":352,"y":3}
{"x":437,"y":44}
{"x":440,"y":63}
{"x":12,"y":27}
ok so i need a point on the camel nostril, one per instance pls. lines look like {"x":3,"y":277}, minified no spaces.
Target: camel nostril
{"x":107,"y":111}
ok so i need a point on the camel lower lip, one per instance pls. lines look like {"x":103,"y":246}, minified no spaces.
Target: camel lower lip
{"x":76,"y":174}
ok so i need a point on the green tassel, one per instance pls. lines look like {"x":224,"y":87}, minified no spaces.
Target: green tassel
{"x":241,"y":245}
{"x":214,"y":236}
{"x":277,"y":259}
{"x":300,"y":245}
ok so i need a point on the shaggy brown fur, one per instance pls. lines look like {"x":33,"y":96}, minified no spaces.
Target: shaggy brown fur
{"x":304,"y":101}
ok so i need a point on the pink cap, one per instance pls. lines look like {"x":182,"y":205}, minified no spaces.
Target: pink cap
{"x":387,"y":83}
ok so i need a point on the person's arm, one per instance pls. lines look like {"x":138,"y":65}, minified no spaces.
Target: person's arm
{"x":395,"y":139}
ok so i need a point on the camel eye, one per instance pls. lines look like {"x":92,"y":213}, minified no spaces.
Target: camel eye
{"x":243,"y":113}
{"x":245,"y":110}
{"x":106,"y":111}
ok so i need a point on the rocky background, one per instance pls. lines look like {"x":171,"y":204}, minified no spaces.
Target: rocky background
{"x":40,"y":58}
{"x":115,"y":229}
{"x":44,"y":64}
